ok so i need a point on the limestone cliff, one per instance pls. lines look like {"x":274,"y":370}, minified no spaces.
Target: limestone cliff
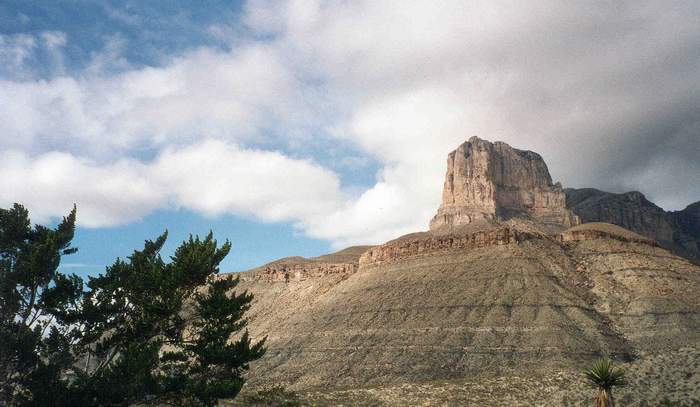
{"x":425,"y":244}
{"x":342,"y":263}
{"x":678,"y":231}
{"x":490,"y":298}
{"x":492,"y":181}
{"x":472,"y":308}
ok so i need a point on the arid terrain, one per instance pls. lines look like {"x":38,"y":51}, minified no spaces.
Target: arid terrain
{"x":502,"y":302}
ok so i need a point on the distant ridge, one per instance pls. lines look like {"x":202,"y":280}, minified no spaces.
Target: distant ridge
{"x":678,"y":231}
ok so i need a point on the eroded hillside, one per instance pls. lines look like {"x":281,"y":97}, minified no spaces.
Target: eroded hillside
{"x":498,"y":308}
{"x":500,"y":303}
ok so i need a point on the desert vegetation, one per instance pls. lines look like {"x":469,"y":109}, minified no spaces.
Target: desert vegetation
{"x":605,"y":376}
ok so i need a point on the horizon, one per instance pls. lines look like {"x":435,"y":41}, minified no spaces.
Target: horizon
{"x":280,"y":131}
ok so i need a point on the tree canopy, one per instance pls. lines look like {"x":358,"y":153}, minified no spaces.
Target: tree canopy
{"x":147,"y":331}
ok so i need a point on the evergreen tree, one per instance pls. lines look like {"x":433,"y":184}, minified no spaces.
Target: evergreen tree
{"x":34,"y":345}
{"x":163,"y":333}
{"x":145,"y":332}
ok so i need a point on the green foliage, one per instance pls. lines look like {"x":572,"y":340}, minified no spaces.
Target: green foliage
{"x":160,"y":332}
{"x":34,"y":347}
{"x":146,"y":332}
{"x":604,"y":376}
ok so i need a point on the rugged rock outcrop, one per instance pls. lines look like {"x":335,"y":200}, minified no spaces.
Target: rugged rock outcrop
{"x":483,"y":307}
{"x":599,"y":230}
{"x":686,"y":237}
{"x":490,"y":300}
{"x":678,"y":231}
{"x":425,"y":244}
{"x":344,"y":262}
{"x":492,"y":181}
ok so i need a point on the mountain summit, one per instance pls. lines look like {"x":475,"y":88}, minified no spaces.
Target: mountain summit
{"x":499,"y":304}
{"x":493,"y":181}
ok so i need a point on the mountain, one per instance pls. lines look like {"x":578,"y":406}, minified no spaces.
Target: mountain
{"x":502,"y":302}
{"x":487,"y":181}
{"x":677,"y":231}
{"x":687,"y":236}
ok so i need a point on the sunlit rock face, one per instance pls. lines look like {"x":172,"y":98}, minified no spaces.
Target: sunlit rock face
{"x":492,"y":181}
{"x":490,"y":293}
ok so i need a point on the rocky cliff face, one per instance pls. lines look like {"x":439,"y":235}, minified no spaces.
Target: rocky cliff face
{"x":490,"y":298}
{"x":301,"y":271}
{"x":423,"y":245}
{"x":492,"y":306}
{"x":686,"y":238}
{"x":599,"y":230}
{"x":290,"y":269}
{"x":678,"y":231}
{"x":492,"y":181}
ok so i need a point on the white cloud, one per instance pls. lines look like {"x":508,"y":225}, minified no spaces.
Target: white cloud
{"x":202,"y":94}
{"x":51,"y":183}
{"x":54,"y":39}
{"x":211,"y":177}
{"x":606,"y":92}
{"x":215,"y":178}
{"x":15,"y":50}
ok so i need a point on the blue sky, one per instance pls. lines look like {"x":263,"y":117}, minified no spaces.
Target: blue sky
{"x":297,"y":128}
{"x":148,"y":34}
{"x":253,"y":243}
{"x":149,"y":31}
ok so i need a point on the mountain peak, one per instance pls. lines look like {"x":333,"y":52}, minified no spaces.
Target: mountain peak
{"x":488,"y":181}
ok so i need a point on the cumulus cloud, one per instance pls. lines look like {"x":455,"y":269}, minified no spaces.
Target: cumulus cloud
{"x":215,"y":178}
{"x":51,"y":183}
{"x":211,"y":177}
{"x":240,"y":95}
{"x":606,"y":92}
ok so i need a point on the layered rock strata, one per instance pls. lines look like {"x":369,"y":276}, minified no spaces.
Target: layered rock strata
{"x":430,"y":245}
{"x":599,"y":230}
{"x":495,"y":303}
{"x":298,"y":268}
{"x":492,"y":181}
{"x":490,"y":295}
{"x":301,"y":271}
{"x":678,"y":231}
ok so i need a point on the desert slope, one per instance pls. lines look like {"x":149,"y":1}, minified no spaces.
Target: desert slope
{"x":495,"y":309}
{"x":501,"y":302}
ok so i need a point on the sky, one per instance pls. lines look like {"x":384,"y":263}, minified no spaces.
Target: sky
{"x":302,"y":127}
